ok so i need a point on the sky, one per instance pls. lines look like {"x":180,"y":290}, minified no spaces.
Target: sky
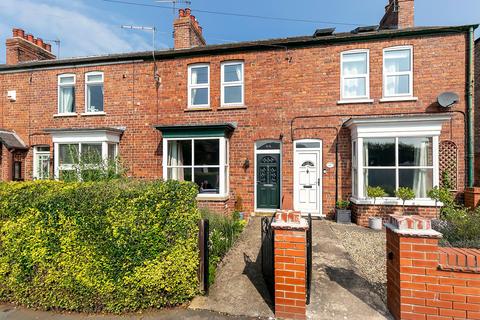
{"x":92,"y":27}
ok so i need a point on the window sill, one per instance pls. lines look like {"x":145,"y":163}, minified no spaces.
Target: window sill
{"x":354,"y":101}
{"x":88,"y":114}
{"x":397,"y":202}
{"x":65,"y":115}
{"x":193,"y":109}
{"x":212,"y":197}
{"x":237,"y":107}
{"x":398,"y":99}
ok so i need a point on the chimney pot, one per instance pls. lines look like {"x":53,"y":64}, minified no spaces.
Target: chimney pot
{"x":181,"y":13}
{"x":30,"y":37}
{"x":48,"y":47}
{"x":39,"y":42}
{"x":188,"y":11}
{"x":17,"y":32}
{"x":19,"y":48}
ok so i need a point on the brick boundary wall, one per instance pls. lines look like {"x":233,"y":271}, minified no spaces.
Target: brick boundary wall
{"x":290,"y":258}
{"x":425,"y":281}
{"x":361,"y":212}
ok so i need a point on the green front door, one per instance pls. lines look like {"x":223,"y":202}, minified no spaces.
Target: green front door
{"x":268,"y":181}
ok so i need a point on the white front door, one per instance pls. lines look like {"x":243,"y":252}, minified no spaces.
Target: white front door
{"x":308,"y":179}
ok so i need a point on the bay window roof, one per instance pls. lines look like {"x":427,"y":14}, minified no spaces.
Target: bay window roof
{"x":197,"y":130}
{"x":11,"y":140}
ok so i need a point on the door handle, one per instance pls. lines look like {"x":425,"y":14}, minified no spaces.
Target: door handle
{"x":318,"y":182}
{"x":268,"y":185}
{"x":307,"y":187}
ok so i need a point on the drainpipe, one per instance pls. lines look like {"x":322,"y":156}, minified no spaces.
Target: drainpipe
{"x":470,"y":120}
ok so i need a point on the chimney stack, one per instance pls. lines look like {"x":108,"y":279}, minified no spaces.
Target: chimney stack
{"x":25,"y":47}
{"x":187,"y":32}
{"x":399,"y":14}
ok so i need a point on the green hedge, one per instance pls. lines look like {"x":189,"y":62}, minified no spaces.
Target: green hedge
{"x":98,"y":246}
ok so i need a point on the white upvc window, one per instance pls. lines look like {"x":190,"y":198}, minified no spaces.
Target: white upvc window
{"x":203,"y":161}
{"x":398,"y":72}
{"x":94,"y":92}
{"x":66,"y":94}
{"x":394,"y":152}
{"x":41,"y":162}
{"x":232,"y":83}
{"x":355,"y":75}
{"x":199,"y":86}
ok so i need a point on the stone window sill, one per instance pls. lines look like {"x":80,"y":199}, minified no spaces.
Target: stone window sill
{"x":65,"y":115}
{"x":398,"y":99}
{"x":194,"y":109}
{"x":239,"y":107}
{"x":397,"y":202}
{"x":92,"y":114}
{"x":212,"y":197}
{"x":355,"y":101}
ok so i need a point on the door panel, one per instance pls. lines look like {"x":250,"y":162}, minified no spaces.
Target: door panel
{"x":268,"y":181}
{"x":307,"y":181}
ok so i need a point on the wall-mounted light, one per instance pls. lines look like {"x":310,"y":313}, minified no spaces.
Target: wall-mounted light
{"x":281,"y":136}
{"x":12,"y":95}
{"x":246,"y":164}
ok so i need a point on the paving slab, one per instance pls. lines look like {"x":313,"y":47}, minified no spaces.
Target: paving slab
{"x":239,"y":288}
{"x":338,"y":289}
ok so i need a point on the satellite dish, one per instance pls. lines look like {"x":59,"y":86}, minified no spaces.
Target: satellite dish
{"x":447,"y":99}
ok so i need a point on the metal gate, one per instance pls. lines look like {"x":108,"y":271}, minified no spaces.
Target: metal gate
{"x":309,"y":259}
{"x":267,"y":255}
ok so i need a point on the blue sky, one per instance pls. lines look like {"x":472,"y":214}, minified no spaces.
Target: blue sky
{"x":92,"y":27}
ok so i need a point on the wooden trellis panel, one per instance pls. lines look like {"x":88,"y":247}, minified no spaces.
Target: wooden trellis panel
{"x":448,"y":163}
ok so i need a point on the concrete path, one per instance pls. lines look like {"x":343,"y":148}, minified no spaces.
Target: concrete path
{"x":338,"y":289}
{"x":11,"y":312}
{"x":239,"y":288}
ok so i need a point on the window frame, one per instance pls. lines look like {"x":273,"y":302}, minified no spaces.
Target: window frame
{"x":409,"y":73}
{"x":225,"y":84}
{"x":191,"y":86}
{"x":37,"y":153}
{"x":87,"y":83}
{"x":59,"y":85}
{"x":366,"y":76}
{"x":223,"y":165}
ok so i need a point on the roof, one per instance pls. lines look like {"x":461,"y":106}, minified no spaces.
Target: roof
{"x":11,"y":140}
{"x":397,"y":118}
{"x":197,"y":130}
{"x":280,"y":43}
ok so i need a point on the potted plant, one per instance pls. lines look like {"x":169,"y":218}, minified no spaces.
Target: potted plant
{"x":343,"y":213}
{"x":405,"y":193}
{"x":375,"y":223}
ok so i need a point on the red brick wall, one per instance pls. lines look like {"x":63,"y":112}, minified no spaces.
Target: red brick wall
{"x":472,"y":197}
{"x":187,"y":31}
{"x":277,"y":89}
{"x":361,"y":213}
{"x":428,"y":282}
{"x":21,"y":50}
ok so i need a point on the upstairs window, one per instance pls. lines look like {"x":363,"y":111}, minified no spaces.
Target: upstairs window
{"x":199,"y":85}
{"x":66,"y":93}
{"x":355,"y":75}
{"x":397,"y":72}
{"x":232,"y":83}
{"x":94,"y":92}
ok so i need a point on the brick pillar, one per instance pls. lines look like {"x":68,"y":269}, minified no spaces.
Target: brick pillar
{"x":412,"y":258}
{"x":290,"y":258}
{"x":472,"y":197}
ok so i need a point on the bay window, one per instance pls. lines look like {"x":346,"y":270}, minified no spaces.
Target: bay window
{"x":66,"y":94}
{"x":398,"y":72}
{"x":232,"y":83}
{"x":394,"y":152}
{"x":199,"y":85}
{"x":355,"y":75}
{"x":203,"y":161}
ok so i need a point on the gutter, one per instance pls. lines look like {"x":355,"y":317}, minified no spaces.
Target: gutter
{"x":470,"y":116}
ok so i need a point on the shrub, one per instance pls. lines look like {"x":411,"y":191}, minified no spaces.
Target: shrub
{"x":224,"y":231}
{"x":342,"y":204}
{"x":405,"y":193}
{"x":112,"y":246}
{"x":375,"y":192}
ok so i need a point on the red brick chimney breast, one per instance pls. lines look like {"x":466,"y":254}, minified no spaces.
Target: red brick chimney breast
{"x":187,"y":32}
{"x":25,"y":47}
{"x":399,"y":14}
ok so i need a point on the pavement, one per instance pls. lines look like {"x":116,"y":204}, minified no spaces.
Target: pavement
{"x":11,"y":312}
{"x":338,"y":289}
{"x":239,"y":288}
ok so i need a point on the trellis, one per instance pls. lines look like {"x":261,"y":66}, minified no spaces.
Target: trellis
{"x":448,"y":164}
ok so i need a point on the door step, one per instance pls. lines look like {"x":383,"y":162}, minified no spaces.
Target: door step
{"x":262,"y":214}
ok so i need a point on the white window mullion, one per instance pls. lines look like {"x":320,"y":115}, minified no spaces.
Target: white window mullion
{"x":222,"y":166}
{"x":397,"y":172}
{"x":360,"y":167}
{"x":435,"y":154}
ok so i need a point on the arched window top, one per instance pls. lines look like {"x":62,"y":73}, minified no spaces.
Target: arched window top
{"x":308,"y":164}
{"x":268,"y":145}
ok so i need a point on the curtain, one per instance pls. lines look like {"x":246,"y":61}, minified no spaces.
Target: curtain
{"x":420,"y":175}
{"x":238,"y":70}
{"x":175,"y":158}
{"x":66,"y":100}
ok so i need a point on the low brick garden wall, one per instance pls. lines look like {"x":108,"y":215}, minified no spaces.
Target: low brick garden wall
{"x":425,"y":281}
{"x":361,"y":212}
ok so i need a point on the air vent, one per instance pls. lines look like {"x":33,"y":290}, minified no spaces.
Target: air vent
{"x":324,"y":32}
{"x":365,"y":29}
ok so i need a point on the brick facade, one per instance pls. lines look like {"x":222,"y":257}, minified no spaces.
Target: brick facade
{"x":425,"y":281}
{"x":289,"y":95}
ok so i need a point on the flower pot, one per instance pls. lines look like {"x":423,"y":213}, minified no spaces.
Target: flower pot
{"x":344,"y":216}
{"x":375,"y":223}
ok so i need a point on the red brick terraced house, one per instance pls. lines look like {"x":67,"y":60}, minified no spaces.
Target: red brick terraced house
{"x":296,"y":122}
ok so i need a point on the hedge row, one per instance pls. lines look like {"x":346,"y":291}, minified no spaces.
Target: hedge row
{"x":98,"y":246}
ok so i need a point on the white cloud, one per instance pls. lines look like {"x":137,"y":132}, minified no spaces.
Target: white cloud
{"x":82,"y":30}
